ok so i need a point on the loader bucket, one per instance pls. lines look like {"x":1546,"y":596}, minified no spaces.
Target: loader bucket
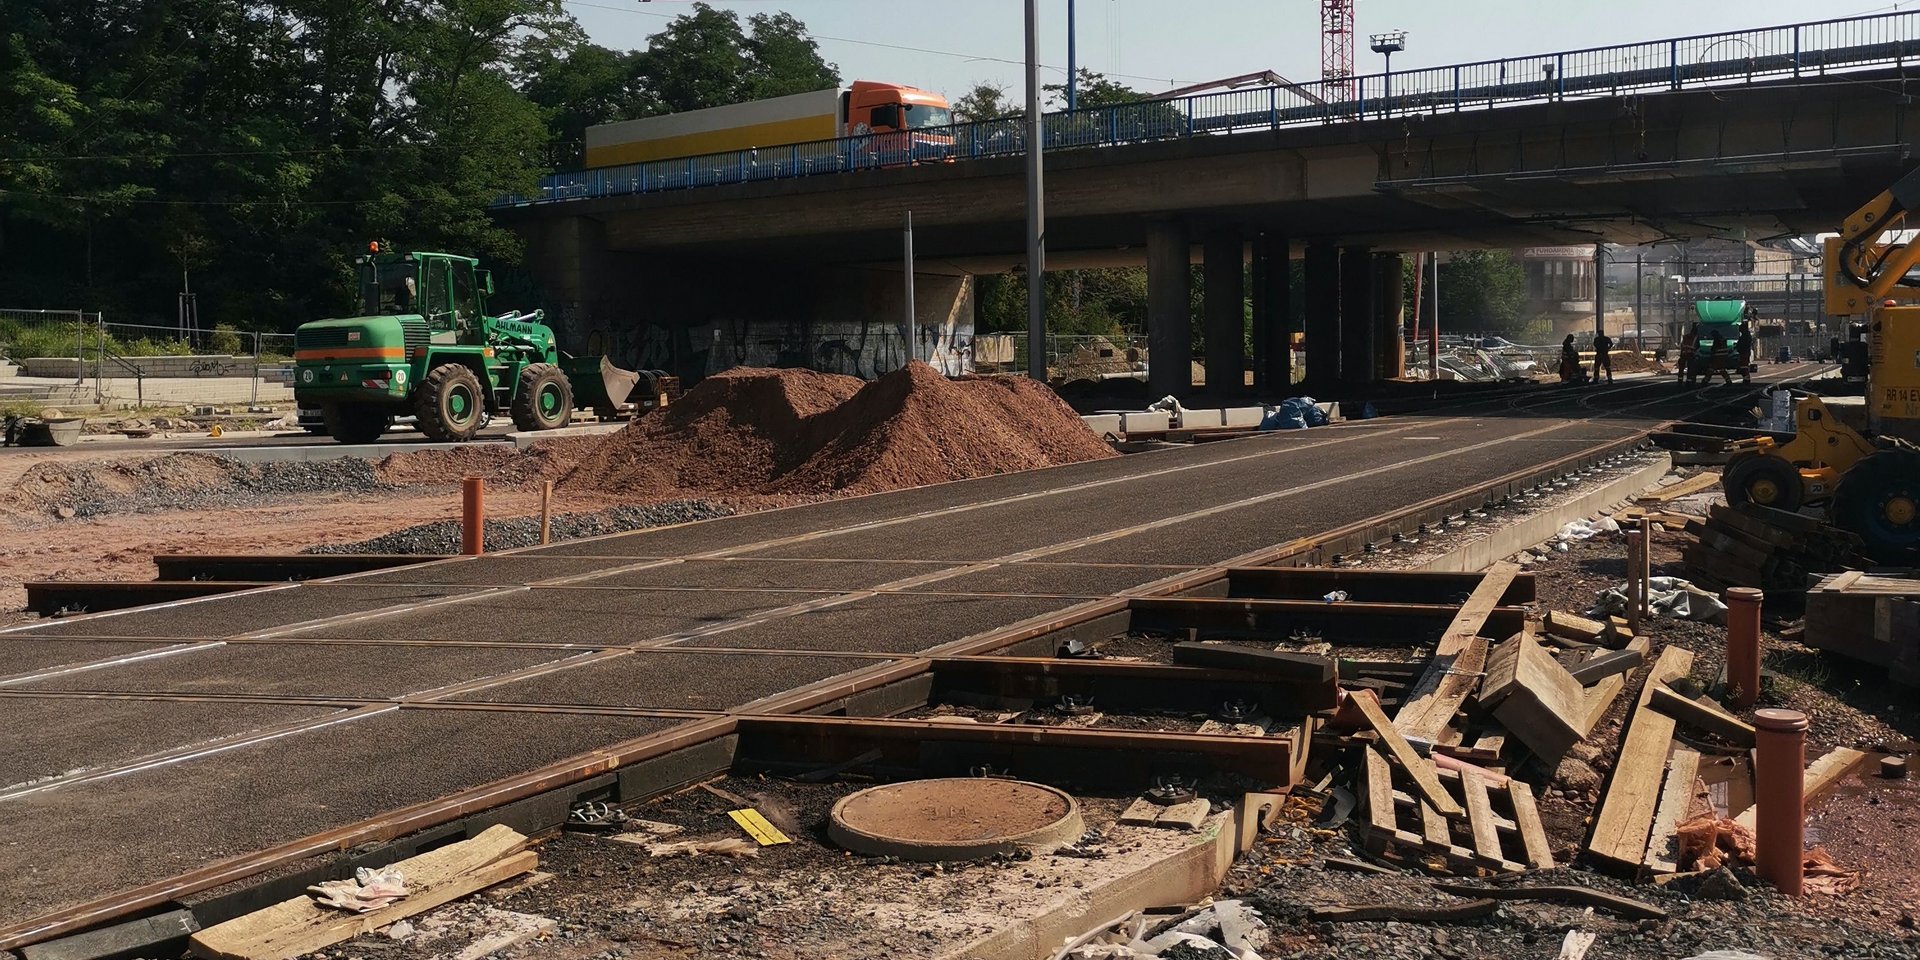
{"x":597,"y":383}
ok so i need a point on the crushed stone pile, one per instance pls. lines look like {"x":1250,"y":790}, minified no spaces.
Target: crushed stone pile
{"x":798,"y":432}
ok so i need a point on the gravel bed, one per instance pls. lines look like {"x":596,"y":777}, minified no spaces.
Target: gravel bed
{"x":443,"y":536}
{"x":182,"y":481}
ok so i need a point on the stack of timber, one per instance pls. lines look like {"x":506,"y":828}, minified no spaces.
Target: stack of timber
{"x":1777,"y":551}
{"x":1433,"y":779}
{"x":297,"y":927}
{"x":1869,"y":616}
{"x":1682,"y":759}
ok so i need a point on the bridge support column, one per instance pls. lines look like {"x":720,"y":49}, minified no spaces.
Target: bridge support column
{"x":1357,"y":318}
{"x":1390,"y":342}
{"x":1272,"y":317}
{"x":571,"y":262}
{"x":1226,"y":311}
{"x":1323,"y":314}
{"x":1169,"y":309}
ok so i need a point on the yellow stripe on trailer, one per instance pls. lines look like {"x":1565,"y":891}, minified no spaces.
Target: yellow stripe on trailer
{"x":757,"y":827}
{"x":759,"y":135}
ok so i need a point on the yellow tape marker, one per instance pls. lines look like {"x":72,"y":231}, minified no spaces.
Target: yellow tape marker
{"x":757,"y":827}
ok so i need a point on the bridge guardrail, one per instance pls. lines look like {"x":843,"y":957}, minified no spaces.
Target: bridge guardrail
{"x":1813,"y":48}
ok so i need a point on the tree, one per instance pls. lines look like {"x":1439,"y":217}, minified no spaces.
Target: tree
{"x":1096,"y":90}
{"x":581,"y":86}
{"x":986,"y":101}
{"x":1482,"y":291}
{"x":707,"y":59}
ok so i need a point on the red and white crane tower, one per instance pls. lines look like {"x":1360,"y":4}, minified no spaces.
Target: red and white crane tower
{"x":1336,"y":48}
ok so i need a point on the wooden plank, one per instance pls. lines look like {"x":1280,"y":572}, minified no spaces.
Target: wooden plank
{"x":1486,"y":836}
{"x":1625,"y":819}
{"x":1821,"y":778}
{"x":1598,"y":668}
{"x":1403,"y":753}
{"x":1703,"y":716}
{"x":1380,"y":811}
{"x":1546,"y":705}
{"x":313,"y":933}
{"x":1575,"y":627}
{"x":1458,"y":660}
{"x":1683,"y":774}
{"x":1601,"y":695}
{"x":1697,"y":483}
{"x":1533,"y":836}
{"x":1433,"y":826}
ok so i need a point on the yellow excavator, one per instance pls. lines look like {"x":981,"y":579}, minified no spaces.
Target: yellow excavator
{"x":1866,"y":472}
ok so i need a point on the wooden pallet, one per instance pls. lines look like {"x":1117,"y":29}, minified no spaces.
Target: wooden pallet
{"x":1500,"y":830}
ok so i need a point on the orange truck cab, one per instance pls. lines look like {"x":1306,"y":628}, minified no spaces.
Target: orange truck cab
{"x":873,"y":107}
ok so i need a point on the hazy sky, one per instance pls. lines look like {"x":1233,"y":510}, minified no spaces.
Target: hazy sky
{"x":1158,"y":44}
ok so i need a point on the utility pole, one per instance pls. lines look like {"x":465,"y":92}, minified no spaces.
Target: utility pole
{"x":1036,"y":213}
{"x":1433,"y":320}
{"x":913,"y":318}
{"x":1639,"y":300}
{"x":1073,"y":60}
{"x":1599,"y":288}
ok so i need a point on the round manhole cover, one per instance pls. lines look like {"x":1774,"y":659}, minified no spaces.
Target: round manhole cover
{"x":956,"y":819}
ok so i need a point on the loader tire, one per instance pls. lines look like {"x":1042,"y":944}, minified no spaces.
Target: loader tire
{"x":1879,"y":499}
{"x":449,"y":403}
{"x":1764,"y":480}
{"x":544,"y":398}
{"x":355,"y":423}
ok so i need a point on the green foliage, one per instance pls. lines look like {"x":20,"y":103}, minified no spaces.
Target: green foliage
{"x":986,"y":101}
{"x":251,"y":148}
{"x":25,"y":342}
{"x":1483,"y":291}
{"x":225,"y":339}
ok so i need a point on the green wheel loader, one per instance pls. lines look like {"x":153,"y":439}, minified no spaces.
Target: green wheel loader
{"x":425,"y":347}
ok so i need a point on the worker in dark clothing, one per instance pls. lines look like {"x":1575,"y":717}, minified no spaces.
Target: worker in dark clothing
{"x":1602,"y":356}
{"x":1720,"y":358}
{"x":1570,"y":369}
{"x":1746,"y":353}
{"x":1689,"y":353}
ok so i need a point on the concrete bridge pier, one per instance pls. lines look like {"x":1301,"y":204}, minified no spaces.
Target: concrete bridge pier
{"x":1272,"y":317}
{"x":1390,"y":347}
{"x":1322,"y":301}
{"x":1169,"y":306}
{"x":1357,"y":317}
{"x":1225,"y":275}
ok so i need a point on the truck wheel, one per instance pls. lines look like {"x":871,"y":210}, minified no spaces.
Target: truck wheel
{"x":356,"y":423}
{"x":1764,"y":480}
{"x":448,"y":403}
{"x":1879,"y":499}
{"x":544,"y":399}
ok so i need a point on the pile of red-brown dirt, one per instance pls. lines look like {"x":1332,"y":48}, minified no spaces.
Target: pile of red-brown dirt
{"x":808,"y":434}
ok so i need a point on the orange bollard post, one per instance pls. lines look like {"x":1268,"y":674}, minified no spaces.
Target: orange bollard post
{"x":1743,"y":645}
{"x":1780,"y":828}
{"x":473,"y":516}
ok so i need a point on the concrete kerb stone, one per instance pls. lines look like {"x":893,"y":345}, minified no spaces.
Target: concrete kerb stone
{"x":1531,"y":531}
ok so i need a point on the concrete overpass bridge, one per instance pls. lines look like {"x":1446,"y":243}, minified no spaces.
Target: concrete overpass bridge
{"x":1742,"y":135}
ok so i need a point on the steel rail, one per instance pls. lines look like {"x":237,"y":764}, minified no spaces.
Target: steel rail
{"x":584,"y":766}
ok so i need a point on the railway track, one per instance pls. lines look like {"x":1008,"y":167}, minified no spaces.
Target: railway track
{"x":1601,"y":423}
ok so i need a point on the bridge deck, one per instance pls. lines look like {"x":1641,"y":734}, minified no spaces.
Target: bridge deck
{"x":146,"y":743}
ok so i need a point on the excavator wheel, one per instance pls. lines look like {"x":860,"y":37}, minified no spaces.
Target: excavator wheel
{"x":1763,"y":480}
{"x":544,"y":399}
{"x":449,"y":403}
{"x":1879,"y":499}
{"x":355,"y":423}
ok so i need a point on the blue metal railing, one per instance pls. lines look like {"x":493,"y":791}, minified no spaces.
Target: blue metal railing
{"x":1804,"y":49}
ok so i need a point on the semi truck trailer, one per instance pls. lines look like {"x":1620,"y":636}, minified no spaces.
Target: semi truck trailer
{"x":887,"y":111}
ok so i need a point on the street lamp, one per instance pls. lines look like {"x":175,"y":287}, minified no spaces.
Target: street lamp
{"x":1388,"y":44}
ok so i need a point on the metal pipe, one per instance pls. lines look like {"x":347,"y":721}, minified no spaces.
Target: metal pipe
{"x":1036,"y":212}
{"x":1743,"y":644}
{"x":913,"y":318}
{"x":473,"y":516}
{"x":1779,"y":769}
{"x":1433,"y":325}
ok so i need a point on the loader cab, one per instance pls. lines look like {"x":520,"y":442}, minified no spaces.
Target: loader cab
{"x":442,"y":289}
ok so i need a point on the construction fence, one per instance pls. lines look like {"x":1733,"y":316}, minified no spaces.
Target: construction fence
{"x":122,"y":360}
